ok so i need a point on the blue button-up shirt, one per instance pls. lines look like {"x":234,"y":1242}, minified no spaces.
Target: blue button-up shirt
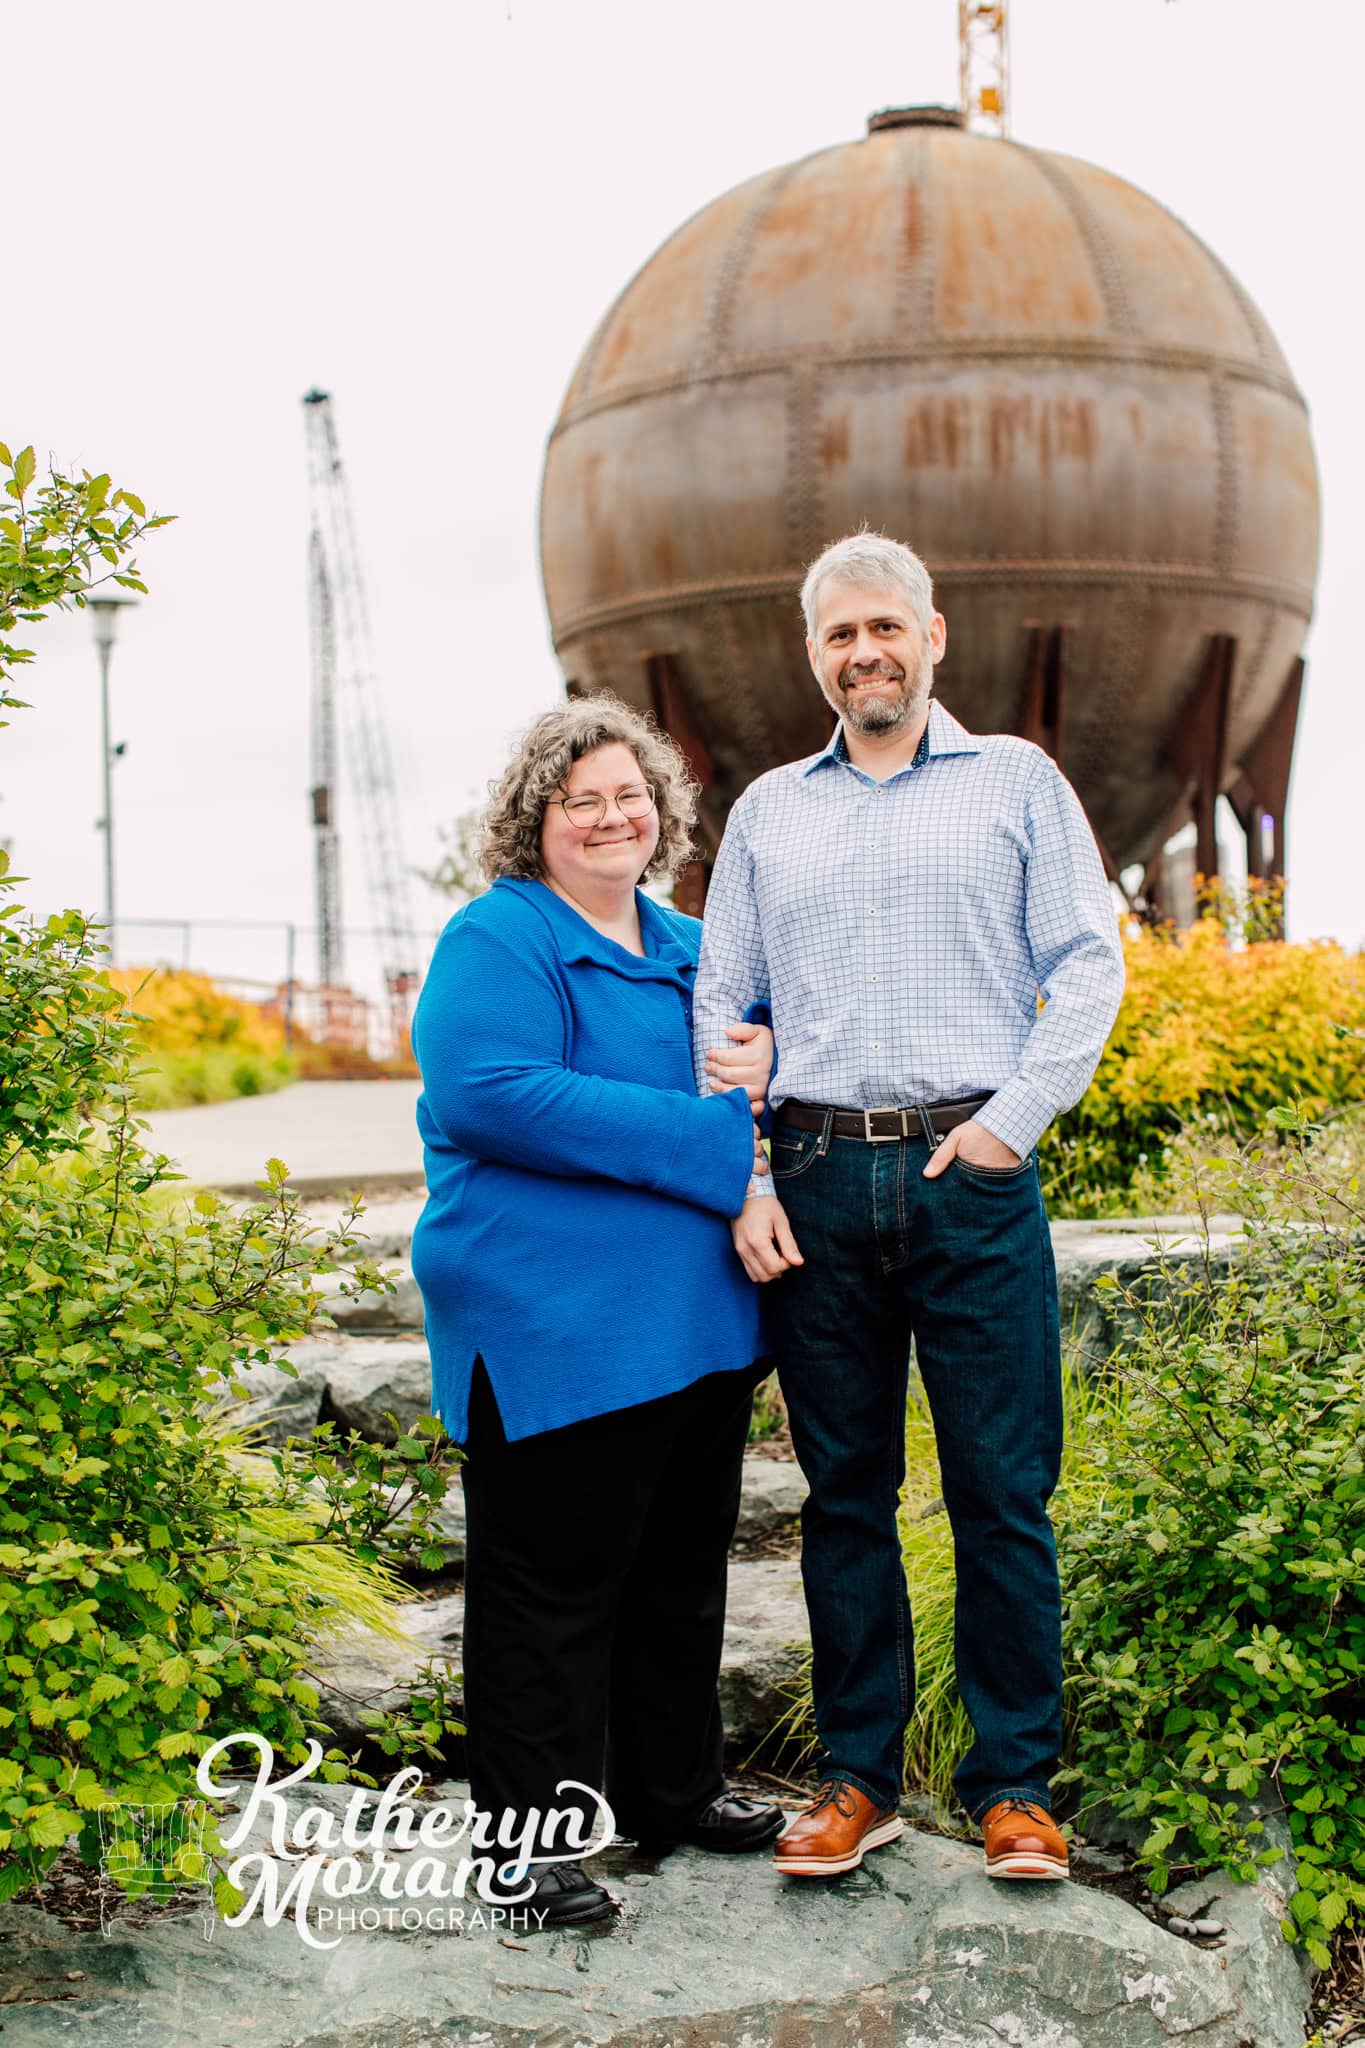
{"x":902,"y":931}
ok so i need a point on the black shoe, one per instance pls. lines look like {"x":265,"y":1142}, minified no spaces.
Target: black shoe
{"x":732,"y":1824}
{"x":565,"y":1896}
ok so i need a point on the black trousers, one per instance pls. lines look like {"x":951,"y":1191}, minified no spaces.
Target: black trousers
{"x":595,"y":1603}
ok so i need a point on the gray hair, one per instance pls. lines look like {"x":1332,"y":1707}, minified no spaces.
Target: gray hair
{"x":509,"y":834}
{"x":870,"y":561}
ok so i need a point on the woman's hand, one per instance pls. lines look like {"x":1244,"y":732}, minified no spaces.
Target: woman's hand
{"x":747,"y":1064}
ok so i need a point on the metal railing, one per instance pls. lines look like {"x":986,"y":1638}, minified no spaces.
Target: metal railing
{"x":354,"y":1013}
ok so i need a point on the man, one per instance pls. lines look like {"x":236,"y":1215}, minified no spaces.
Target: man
{"x":900,"y":900}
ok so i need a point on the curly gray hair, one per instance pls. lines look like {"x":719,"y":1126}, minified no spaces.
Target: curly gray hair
{"x":509,"y":836}
{"x":870,"y":561}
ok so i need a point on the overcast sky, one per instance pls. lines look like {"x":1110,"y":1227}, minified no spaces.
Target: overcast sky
{"x":426,"y":208}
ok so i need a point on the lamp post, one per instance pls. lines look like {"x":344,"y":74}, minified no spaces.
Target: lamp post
{"x":106,"y":609}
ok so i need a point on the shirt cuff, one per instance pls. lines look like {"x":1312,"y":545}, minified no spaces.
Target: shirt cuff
{"x":1017,"y":1115}
{"x":759,"y":1184}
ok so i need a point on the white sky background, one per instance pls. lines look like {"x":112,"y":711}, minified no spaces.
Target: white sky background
{"x":426,"y":208}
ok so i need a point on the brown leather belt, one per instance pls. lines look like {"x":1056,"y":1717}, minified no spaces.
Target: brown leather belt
{"x":928,"y":1120}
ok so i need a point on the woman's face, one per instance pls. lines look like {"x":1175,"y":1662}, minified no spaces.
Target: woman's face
{"x":616,"y":850}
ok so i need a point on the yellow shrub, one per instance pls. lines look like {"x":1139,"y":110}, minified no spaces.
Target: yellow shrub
{"x":1207,"y":1036}
{"x":201,"y":1044}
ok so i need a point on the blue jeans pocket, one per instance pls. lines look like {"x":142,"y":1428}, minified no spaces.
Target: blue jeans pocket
{"x":970,"y":1171}
{"x":791,"y":1152}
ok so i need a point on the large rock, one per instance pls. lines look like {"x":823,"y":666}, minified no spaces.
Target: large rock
{"x":359,"y":1670}
{"x":369,"y":1376}
{"x":766,"y":1643}
{"x":277,"y":1405}
{"x":917,"y":1949}
{"x":371,"y":1309}
{"x":770,"y":1501}
{"x":1093,"y":1319}
{"x":385,"y":1227}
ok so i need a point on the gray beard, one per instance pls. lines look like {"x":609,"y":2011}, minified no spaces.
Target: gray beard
{"x":879,"y":715}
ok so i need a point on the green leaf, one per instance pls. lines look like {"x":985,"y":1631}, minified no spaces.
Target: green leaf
{"x":25,"y":469}
{"x":51,"y":1825}
{"x":1332,"y":1909}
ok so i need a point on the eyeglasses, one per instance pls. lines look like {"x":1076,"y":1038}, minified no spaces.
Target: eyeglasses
{"x":586,"y":811}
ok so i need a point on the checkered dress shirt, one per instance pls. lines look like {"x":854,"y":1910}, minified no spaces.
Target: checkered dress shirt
{"x":901,"y":931}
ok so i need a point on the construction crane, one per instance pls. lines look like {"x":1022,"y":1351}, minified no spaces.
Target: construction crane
{"x":345,"y":696}
{"x":983,"y":64}
{"x":322,"y":749}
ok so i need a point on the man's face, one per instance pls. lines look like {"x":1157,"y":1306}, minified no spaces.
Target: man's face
{"x":871,"y":658}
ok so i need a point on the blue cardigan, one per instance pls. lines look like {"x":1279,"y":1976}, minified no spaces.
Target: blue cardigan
{"x":575,"y":1231}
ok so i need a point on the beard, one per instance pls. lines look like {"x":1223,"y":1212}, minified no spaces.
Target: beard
{"x":887,"y":714}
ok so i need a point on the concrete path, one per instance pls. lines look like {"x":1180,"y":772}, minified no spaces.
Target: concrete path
{"x":332,"y":1135}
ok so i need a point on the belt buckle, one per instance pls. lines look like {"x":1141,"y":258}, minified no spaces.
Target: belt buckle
{"x":883,"y":1137}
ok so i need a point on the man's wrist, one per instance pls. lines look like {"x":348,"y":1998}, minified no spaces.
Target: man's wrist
{"x":1017,"y":1115}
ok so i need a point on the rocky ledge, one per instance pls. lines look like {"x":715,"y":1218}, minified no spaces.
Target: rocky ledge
{"x":917,"y":1949}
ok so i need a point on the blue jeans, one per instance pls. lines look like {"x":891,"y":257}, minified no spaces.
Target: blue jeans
{"x":964,"y":1262}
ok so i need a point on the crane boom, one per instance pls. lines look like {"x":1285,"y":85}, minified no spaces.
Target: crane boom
{"x":341,"y":610}
{"x":983,"y":55}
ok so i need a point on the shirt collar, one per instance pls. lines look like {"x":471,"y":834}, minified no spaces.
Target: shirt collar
{"x":942,"y":735}
{"x":669,"y":958}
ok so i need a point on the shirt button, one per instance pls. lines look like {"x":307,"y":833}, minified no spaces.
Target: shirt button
{"x":871,"y":910}
{"x":876,"y":977}
{"x":875,"y":1046}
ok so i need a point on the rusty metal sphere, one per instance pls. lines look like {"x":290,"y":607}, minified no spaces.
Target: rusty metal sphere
{"x":1014,"y":361}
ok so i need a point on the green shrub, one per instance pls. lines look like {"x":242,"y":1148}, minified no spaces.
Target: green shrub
{"x":175,"y":1080}
{"x":1216,"y":1597}
{"x":159,"y":1587}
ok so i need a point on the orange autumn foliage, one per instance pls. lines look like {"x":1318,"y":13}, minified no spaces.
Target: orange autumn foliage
{"x":200,"y":1043}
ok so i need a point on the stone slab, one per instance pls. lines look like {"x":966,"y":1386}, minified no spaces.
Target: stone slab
{"x":917,"y":1949}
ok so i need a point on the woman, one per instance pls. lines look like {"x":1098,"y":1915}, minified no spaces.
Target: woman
{"x":594,"y":1341}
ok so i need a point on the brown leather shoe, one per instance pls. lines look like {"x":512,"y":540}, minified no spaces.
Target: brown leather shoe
{"x":834,"y":1832}
{"x":1022,"y":1840}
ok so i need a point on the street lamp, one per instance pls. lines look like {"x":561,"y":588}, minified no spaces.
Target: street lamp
{"x":106,"y":609}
